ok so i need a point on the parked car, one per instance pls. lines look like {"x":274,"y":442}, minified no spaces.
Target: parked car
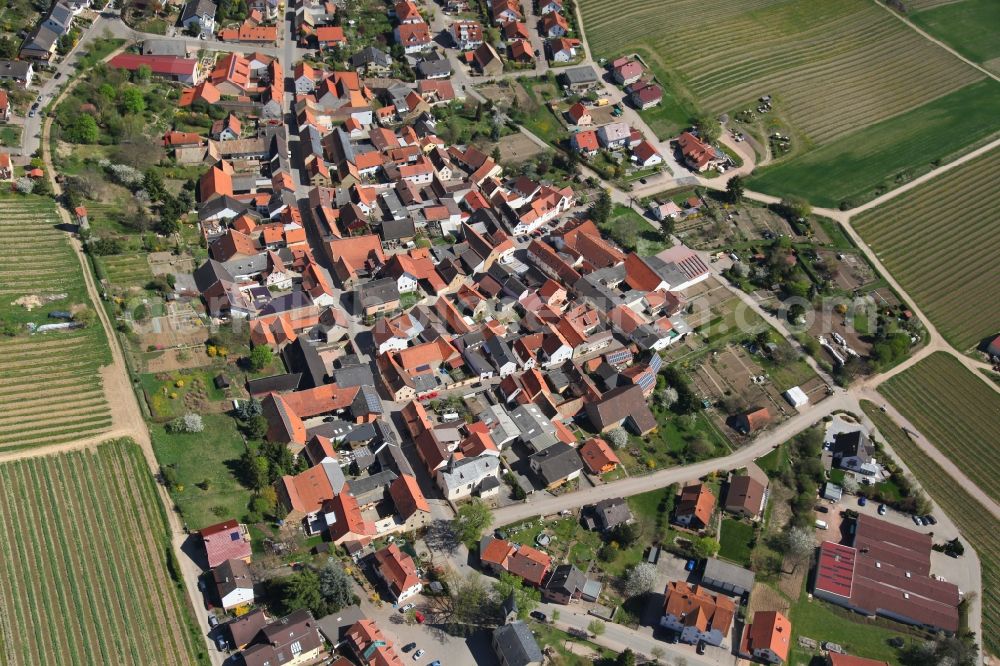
{"x":916,"y":520}
{"x":409,"y":646}
{"x":924,"y":521}
{"x":821,"y":509}
{"x":419,"y":617}
{"x":407,"y":607}
{"x":691,"y":564}
{"x":540,"y":616}
{"x":434,"y":663}
{"x":212,"y":620}
{"x":58,"y":75}
{"x":930,"y":519}
{"x":881,"y":509}
{"x":862,"y":501}
{"x":221,"y":644}
{"x":418,"y":654}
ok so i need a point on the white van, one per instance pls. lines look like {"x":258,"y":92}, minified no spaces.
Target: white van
{"x":821,"y":525}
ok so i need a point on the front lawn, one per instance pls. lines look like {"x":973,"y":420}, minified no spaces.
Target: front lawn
{"x":633,"y":232}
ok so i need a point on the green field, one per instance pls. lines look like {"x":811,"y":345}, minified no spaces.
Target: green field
{"x":976,"y":524}
{"x":50,"y":382}
{"x":968,"y":26}
{"x":944,"y":255}
{"x":954,"y":409}
{"x":853,"y":167}
{"x":212,"y":456}
{"x":83,"y":559}
{"x":832,"y":65}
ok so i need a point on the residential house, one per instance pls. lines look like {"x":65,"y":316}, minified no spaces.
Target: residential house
{"x":519,"y":51}
{"x":564,"y":584}
{"x":554,"y":25}
{"x":622,"y":406}
{"x":580,"y":79}
{"x":240,"y":631}
{"x":377,"y":296}
{"x":372,"y":61}
{"x":610,"y":513}
{"x":6,"y":167}
{"x":462,"y":477}
{"x":767,"y":638}
{"x":548,"y":6}
{"x":200,"y":12}
{"x":233,"y":584}
{"x":502,"y":11}
{"x":290,"y":641}
{"x":745,"y":497}
{"x":19,"y":71}
{"x":413,"y":37}
{"x":696,"y":614}
{"x":752,"y":421}
{"x":467,"y":34}
{"x":369,"y":646}
{"x":837,"y":659}
{"x":399,"y":572}
{"x":579,"y":115}
{"x":598,"y":456}
{"x":329,"y":37}
{"x":645,"y":96}
{"x":614,"y":135}
{"x":40,"y":44}
{"x":695,"y":506}
{"x":645,"y":155}
{"x":223,"y":541}
{"x":853,"y":451}
{"x":487,"y":60}
{"x":698,"y":155}
{"x":627,"y":73}
{"x":586,"y":142}
{"x":563,"y":49}
{"x":515,"y":645}
{"x":556,"y":464}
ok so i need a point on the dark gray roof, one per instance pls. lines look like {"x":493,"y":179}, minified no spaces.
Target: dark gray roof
{"x":209,"y":273}
{"x":218,"y":204}
{"x":579,"y":75}
{"x":286,"y":302}
{"x":302,"y":356}
{"x":370,"y":54}
{"x":718,"y":573}
{"x":556,"y":462}
{"x":366,"y":402}
{"x":198,"y":8}
{"x":378,"y":292}
{"x":353,"y":375}
{"x":397,"y":229}
{"x":612,"y":512}
{"x":850,"y":444}
{"x":566,"y":578}
{"x":515,"y":644}
{"x":41,"y":39}
{"x":431,"y":68}
{"x":275,"y":383}
{"x":372,"y":488}
{"x":14,"y":69}
{"x":499,"y":351}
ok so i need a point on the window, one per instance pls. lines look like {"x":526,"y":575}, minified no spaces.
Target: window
{"x":296,"y":647}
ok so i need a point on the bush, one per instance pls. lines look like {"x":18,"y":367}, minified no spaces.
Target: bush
{"x":189,"y":423}
{"x":617,"y":437}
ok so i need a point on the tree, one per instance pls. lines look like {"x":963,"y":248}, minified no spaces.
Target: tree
{"x":472,"y":519}
{"x":950,"y":651}
{"x":795,"y":206}
{"x":335,"y":586}
{"x":601,"y":210}
{"x":194,"y":28}
{"x":626,"y":534}
{"x":256,"y":427}
{"x":8,"y":48}
{"x":468,"y":599}
{"x":704,"y":547}
{"x":81,"y":129}
{"x":849,"y":484}
{"x":24,"y":185}
{"x":495,"y":154}
{"x":708,"y":127}
{"x":190,"y":422}
{"x":526,"y":598}
{"x":300,"y":590}
{"x":616,"y":437}
{"x":626,"y":658}
{"x":132,"y":101}
{"x":596,"y":627}
{"x":260,"y":357}
{"x":657,"y":652}
{"x":248,"y":409}
{"x":735,"y":189}
{"x":640,"y":579}
{"x":144,"y":73}
{"x":798,"y":544}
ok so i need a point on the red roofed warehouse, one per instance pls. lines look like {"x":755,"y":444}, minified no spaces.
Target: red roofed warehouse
{"x":174,"y":68}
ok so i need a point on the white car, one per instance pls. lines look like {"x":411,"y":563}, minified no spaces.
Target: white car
{"x":407,"y":607}
{"x":418,"y":654}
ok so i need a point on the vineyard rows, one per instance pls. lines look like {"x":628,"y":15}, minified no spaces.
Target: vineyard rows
{"x":975,"y":523}
{"x":834,"y":66}
{"x":82,"y":551}
{"x":50,"y":383}
{"x":939,"y":240}
{"x":956,"y":411}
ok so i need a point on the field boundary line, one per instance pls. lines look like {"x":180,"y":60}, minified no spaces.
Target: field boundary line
{"x":931,"y":38}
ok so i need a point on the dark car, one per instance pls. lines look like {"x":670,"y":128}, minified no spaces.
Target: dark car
{"x":643,"y":181}
{"x":409,"y":646}
{"x":540,"y":616}
{"x":931,"y":520}
{"x":862,"y":501}
{"x":58,"y":75}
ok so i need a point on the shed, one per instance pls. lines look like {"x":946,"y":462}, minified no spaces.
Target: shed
{"x":591,"y":590}
{"x":832,"y":492}
{"x":221,"y":382}
{"x":796,"y":397}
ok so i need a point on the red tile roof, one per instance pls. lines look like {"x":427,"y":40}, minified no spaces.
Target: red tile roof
{"x":598,"y":456}
{"x":397,"y":568}
{"x":770,"y":631}
{"x":225,"y":541}
{"x":407,"y":497}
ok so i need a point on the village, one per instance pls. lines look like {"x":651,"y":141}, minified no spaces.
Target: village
{"x":448,"y":357}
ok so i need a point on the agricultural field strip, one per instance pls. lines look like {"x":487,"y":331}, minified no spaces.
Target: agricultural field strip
{"x":890,"y":58}
{"x":975,"y":523}
{"x":961,"y":423}
{"x":104,"y":635}
{"x":933,"y":273}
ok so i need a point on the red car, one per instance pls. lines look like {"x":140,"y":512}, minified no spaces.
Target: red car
{"x":419,"y":617}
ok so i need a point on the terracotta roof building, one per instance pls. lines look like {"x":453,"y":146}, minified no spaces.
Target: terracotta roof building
{"x":694,"y":509}
{"x":697,"y":614}
{"x":228,"y":540}
{"x":398,"y":571}
{"x":767,"y":638}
